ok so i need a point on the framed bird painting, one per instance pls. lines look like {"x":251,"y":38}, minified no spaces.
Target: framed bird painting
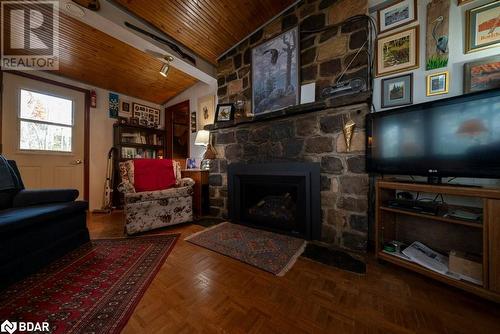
{"x":275,"y":73}
{"x":436,"y":41}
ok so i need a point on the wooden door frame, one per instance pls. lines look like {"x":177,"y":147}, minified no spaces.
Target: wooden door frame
{"x":86,"y":125}
{"x":169,"y":126}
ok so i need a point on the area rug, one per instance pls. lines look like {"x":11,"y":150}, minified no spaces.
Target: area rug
{"x":272,"y":252}
{"x":93,"y":289}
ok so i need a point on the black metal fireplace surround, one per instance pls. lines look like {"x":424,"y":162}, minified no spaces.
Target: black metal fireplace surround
{"x":280,"y":197}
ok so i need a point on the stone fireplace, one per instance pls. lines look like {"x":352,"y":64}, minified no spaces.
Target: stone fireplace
{"x":281,"y":197}
{"x":315,"y":136}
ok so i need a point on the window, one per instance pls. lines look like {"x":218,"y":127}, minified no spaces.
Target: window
{"x":46,"y":122}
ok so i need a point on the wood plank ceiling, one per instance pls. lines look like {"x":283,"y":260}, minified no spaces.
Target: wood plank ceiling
{"x":208,"y":27}
{"x":89,"y":55}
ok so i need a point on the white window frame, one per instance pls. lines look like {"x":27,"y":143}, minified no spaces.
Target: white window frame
{"x":20,"y":119}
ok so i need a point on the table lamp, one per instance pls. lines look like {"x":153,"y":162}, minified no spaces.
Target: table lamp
{"x":203,"y":139}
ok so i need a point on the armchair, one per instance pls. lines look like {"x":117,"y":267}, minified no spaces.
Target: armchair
{"x":149,"y":210}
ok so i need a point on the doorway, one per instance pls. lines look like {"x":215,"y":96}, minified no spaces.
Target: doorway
{"x":44,"y":130}
{"x":177,"y":127}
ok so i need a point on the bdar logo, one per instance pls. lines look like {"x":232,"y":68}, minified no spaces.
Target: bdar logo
{"x":8,"y":327}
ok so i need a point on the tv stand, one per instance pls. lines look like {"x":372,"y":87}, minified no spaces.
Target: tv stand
{"x":443,"y":233}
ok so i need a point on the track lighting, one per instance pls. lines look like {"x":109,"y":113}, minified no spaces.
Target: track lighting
{"x":166,"y":67}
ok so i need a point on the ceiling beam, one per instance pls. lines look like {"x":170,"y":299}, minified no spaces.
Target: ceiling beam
{"x":111,"y":19}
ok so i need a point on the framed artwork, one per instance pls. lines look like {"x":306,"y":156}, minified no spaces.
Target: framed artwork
{"x":114,"y":105}
{"x":436,"y":39}
{"x":134,"y":121}
{"x":397,"y":52}
{"x":225,"y":112}
{"x":397,"y":91}
{"x":206,"y":108}
{"x":396,"y":15}
{"x":191,"y":163}
{"x":438,"y":83}
{"x":193,"y":122}
{"x":147,"y":116}
{"x":275,"y":73}
{"x":482,"y":74}
{"x":482,"y":27}
{"x":463,"y":2}
{"x":125,"y":110}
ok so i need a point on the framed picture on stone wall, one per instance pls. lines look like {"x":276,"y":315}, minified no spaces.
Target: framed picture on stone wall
{"x":275,"y":73}
{"x":206,"y":109}
{"x":396,"y":15}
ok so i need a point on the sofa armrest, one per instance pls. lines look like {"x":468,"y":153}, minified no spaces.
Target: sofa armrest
{"x":126,"y":187}
{"x":44,"y":196}
{"x":158,"y":194}
{"x":186,"y":182}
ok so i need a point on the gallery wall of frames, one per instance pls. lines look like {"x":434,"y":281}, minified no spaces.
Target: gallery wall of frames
{"x":431,"y":49}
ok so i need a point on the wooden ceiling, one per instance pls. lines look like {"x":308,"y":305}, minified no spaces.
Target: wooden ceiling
{"x":208,"y":27}
{"x":93,"y":57}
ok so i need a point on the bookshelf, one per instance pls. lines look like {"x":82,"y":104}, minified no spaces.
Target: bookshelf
{"x":132,"y":142}
{"x":443,"y":233}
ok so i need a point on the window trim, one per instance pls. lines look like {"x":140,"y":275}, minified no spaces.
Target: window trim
{"x":21,"y":119}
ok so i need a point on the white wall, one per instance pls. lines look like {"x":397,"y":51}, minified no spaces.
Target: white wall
{"x":192,"y":94}
{"x":101,"y":135}
{"x":457,"y":57}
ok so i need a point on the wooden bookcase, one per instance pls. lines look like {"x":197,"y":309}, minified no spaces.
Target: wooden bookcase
{"x":441,"y":233}
{"x":131,"y":142}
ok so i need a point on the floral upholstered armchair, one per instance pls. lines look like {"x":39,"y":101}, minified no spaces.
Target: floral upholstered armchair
{"x":149,"y":210}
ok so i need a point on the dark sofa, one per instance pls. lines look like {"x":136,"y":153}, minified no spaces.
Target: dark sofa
{"x":36,"y":226}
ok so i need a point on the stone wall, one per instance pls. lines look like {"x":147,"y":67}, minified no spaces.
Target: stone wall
{"x":328,"y":43}
{"x":312,"y":137}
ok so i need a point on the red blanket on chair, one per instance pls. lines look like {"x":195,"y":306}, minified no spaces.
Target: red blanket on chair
{"x":153,"y":174}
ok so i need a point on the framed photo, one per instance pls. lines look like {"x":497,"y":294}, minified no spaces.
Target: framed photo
{"x":396,"y":15}
{"x":125,"y":110}
{"x":463,"y":2}
{"x":482,"y":74}
{"x":397,"y":91}
{"x":397,"y":52}
{"x":206,"y":108}
{"x":482,"y":27}
{"x":438,"y":83}
{"x":193,"y":122}
{"x":114,"y":105}
{"x":191,"y":163}
{"x":225,"y":112}
{"x":147,"y":116}
{"x":275,"y":73}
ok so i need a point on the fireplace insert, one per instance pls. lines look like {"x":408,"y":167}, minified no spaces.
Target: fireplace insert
{"x":281,"y":197}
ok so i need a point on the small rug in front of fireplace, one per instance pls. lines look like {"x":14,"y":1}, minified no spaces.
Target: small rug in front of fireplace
{"x":272,"y":252}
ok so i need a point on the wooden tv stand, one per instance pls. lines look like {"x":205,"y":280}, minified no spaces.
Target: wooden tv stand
{"x":441,"y":233}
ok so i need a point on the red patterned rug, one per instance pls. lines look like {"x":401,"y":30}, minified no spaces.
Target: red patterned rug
{"x":272,"y":252}
{"x":93,"y":289}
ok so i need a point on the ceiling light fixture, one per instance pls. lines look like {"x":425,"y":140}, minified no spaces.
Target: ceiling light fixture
{"x":166,"y":67}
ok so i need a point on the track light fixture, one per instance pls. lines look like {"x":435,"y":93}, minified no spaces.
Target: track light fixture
{"x":166,"y":67}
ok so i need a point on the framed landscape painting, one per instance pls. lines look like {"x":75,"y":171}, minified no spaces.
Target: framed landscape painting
{"x":482,"y":74}
{"x":396,"y":15}
{"x":275,"y":73}
{"x":483,"y":27}
{"x":397,"y":52}
{"x":397,"y":91}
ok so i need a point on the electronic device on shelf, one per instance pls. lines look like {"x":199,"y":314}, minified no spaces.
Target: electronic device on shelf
{"x":425,"y":207}
{"x":464,"y":215}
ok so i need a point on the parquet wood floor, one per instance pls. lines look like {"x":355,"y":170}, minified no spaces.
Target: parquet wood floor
{"x":200,"y":291}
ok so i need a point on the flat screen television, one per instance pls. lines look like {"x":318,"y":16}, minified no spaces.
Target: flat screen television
{"x":453,"y":137}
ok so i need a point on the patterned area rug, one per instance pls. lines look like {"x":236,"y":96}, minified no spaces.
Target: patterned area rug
{"x":268,"y":251}
{"x":93,"y":289}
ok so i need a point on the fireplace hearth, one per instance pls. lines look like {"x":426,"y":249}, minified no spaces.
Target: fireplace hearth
{"x":281,"y":197}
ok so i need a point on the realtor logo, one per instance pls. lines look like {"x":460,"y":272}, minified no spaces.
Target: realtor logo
{"x":30,"y":35}
{"x":8,"y":327}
